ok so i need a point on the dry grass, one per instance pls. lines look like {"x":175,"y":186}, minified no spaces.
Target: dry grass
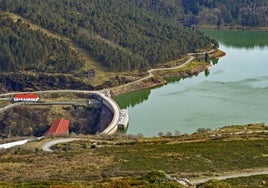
{"x":25,"y":165}
{"x":122,"y":155}
{"x":217,"y":53}
{"x":241,"y":128}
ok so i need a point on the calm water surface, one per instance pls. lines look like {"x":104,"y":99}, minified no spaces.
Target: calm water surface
{"x":234,"y":92}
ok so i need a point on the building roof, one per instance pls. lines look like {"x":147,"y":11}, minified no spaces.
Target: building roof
{"x":26,"y":96}
{"x":59,"y":127}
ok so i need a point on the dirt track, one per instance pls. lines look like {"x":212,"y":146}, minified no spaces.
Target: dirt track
{"x":229,"y":175}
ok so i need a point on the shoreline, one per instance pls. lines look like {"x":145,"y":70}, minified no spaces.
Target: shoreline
{"x":230,"y":27}
{"x":157,"y":77}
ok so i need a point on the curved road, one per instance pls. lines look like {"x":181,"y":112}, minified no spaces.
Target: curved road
{"x":48,"y":145}
{"x":253,"y":172}
{"x":150,"y":72}
{"x":112,"y":127}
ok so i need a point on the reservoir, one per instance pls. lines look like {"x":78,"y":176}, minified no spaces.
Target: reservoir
{"x":233,"y":91}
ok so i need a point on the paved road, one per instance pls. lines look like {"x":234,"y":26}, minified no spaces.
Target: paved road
{"x":191,"y":55}
{"x":13,"y":144}
{"x":232,"y":175}
{"x":47,"y":146}
{"x":172,"y":68}
{"x":13,"y":105}
{"x":112,"y":127}
{"x":150,"y":72}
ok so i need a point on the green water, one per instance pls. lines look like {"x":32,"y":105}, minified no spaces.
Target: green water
{"x":239,"y":39}
{"x":233,"y":91}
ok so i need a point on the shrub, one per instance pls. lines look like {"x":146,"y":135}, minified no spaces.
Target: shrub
{"x":155,"y":176}
{"x":214,"y":183}
{"x":119,"y":184}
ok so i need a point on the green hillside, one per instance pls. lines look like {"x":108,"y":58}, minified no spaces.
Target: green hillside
{"x":22,"y":48}
{"x":120,"y":35}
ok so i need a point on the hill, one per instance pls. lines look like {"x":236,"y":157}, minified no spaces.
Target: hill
{"x":23,"y":49}
{"x":252,"y":13}
{"x":110,"y":37}
{"x":120,"y":35}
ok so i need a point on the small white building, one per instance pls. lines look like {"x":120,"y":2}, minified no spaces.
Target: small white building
{"x":123,"y":119}
{"x":25,"y":98}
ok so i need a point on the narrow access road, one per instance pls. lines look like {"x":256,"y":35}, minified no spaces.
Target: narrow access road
{"x":110,"y":129}
{"x":171,"y":68}
{"x":253,"y":172}
{"x":150,"y":72}
{"x":13,"y":144}
{"x":47,"y":146}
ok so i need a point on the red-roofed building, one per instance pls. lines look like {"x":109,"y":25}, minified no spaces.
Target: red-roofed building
{"x":59,"y":127}
{"x":26,"y":97}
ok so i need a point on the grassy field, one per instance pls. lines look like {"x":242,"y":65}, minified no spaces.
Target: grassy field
{"x":252,"y":181}
{"x":211,"y":156}
{"x":133,"y":157}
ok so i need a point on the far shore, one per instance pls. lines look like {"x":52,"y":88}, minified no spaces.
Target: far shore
{"x":231,"y":27}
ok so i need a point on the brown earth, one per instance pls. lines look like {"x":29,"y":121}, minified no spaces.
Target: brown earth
{"x":36,"y":120}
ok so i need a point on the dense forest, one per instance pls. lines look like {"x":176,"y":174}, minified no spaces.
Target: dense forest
{"x":216,"y":12}
{"x":119,"y":34}
{"x":22,"y":48}
{"x":227,"y":12}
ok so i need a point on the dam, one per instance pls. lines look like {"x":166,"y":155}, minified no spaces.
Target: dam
{"x":119,"y":119}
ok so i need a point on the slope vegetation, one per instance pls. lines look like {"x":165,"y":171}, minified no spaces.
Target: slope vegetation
{"x":25,"y":49}
{"x":134,"y":161}
{"x":118,"y":34}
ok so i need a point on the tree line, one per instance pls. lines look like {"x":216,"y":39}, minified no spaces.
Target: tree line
{"x":119,"y":34}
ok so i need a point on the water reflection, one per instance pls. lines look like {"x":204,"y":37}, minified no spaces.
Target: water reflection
{"x":235,"y":92}
{"x":173,"y":80}
{"x":215,"y":61}
{"x":207,"y":72}
{"x":239,"y":39}
{"x":133,"y":98}
{"x":138,"y":97}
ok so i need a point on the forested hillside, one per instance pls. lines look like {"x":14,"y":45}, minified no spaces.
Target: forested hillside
{"x":119,"y":34}
{"x":216,"y":12}
{"x":22,"y":48}
{"x":226,"y":12}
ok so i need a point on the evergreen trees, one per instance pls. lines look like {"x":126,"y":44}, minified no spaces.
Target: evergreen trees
{"x":121,"y":35}
{"x":22,"y":48}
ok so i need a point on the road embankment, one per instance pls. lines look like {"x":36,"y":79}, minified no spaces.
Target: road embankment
{"x":47,"y":146}
{"x":230,"y":175}
{"x":192,"y":66}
